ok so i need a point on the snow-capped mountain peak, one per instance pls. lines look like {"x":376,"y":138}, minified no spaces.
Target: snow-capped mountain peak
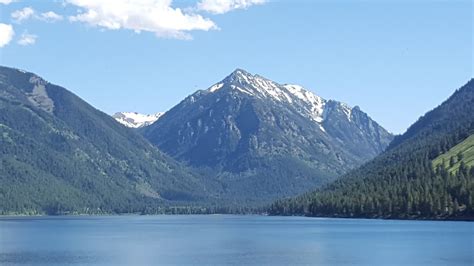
{"x":259,"y":134}
{"x":253,"y":85}
{"x":136,"y":120}
{"x":304,"y":101}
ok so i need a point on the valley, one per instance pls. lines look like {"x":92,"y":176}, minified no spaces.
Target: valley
{"x":245,"y":145}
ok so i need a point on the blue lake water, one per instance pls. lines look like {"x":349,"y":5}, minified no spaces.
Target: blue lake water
{"x":232,"y":240}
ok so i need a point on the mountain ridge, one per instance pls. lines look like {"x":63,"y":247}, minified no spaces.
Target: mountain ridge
{"x":242,"y":125}
{"x":60,"y":155}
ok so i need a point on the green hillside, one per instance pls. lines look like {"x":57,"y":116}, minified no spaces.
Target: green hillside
{"x":60,"y":155}
{"x":461,"y":153}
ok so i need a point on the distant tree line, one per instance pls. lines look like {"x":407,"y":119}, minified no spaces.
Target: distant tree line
{"x":436,"y":194}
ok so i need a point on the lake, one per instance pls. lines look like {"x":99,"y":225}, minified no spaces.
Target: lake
{"x":232,"y":240}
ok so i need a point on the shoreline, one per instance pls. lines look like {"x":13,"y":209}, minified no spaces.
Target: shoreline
{"x":230,"y":214}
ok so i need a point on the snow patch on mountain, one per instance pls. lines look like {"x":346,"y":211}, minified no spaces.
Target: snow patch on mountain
{"x":136,"y":120}
{"x":311,"y":104}
{"x":304,"y":101}
{"x":256,"y":85}
{"x":216,"y":87}
{"x":242,"y":90}
{"x":347,"y":111}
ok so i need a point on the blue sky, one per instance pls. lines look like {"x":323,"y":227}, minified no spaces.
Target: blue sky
{"x":395,"y":59}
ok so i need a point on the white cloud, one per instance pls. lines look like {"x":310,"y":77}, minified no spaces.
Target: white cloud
{"x":23,"y":14}
{"x":6,"y":34}
{"x":6,"y":2}
{"x":27,"y":39}
{"x":50,"y":16}
{"x":28,"y":12}
{"x":224,"y":6}
{"x":157,"y":16}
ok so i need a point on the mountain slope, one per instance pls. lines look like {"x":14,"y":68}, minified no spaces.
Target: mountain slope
{"x":462,"y":153}
{"x":59,"y":154}
{"x":403,"y":182}
{"x":136,"y":120}
{"x":262,"y":140}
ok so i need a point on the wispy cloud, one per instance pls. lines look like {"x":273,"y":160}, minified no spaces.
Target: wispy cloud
{"x":23,"y":14}
{"x":29,"y":13}
{"x":156,"y":16}
{"x":50,"y":16}
{"x":224,"y":6}
{"x":6,"y":34}
{"x":27,"y":39}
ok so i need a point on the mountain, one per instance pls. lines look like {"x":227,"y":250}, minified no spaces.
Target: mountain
{"x":136,"y":120}
{"x":58,"y":154}
{"x":262,"y":140}
{"x":426,"y":173}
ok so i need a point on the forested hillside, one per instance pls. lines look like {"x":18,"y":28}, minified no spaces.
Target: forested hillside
{"x":408,"y":180}
{"x":58,"y":154}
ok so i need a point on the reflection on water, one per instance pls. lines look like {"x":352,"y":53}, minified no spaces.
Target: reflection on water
{"x":232,"y":240}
